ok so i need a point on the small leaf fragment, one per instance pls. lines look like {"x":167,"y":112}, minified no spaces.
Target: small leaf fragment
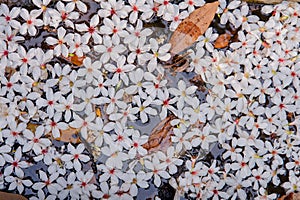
{"x":192,"y":27}
{"x":74,"y":59}
{"x":160,"y":135}
{"x":222,"y":41}
{"x":69,"y":135}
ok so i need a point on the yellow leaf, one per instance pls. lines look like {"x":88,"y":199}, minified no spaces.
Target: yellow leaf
{"x":192,"y":27}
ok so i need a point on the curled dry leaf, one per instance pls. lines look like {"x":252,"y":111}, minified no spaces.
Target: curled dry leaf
{"x":192,"y":27}
{"x":198,"y":81}
{"x":69,"y":135}
{"x":222,"y":41}
{"x":160,"y":138}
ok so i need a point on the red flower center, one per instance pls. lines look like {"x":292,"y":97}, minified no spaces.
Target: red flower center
{"x":5,"y":53}
{"x":64,"y":16}
{"x":15,"y":164}
{"x":135,"y":8}
{"x":138,"y":51}
{"x":7,"y":18}
{"x":257,"y":177}
{"x":115,"y":30}
{"x":29,"y":22}
{"x":166,"y":102}
{"x":166,"y":3}
{"x":24,"y":60}
{"x":76,"y":156}
{"x":135,"y":144}
{"x":176,"y":18}
{"x":293,"y":74}
{"x":109,"y":49}
{"x":91,"y":30}
{"x":9,"y":85}
{"x":53,"y":124}
{"x":112,"y":171}
{"x":118,"y":70}
{"x":50,"y":103}
{"x":191,"y":3}
{"x":35,"y":140}
{"x":83,"y":184}
{"x":112,"y":11}
{"x":14,"y":133}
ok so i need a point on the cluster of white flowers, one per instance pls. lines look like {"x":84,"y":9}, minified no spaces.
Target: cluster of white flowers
{"x":251,"y":108}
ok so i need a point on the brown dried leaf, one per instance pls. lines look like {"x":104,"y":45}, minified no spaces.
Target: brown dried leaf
{"x":192,"y":27}
{"x":69,"y":135}
{"x":222,"y":41}
{"x":291,"y":196}
{"x":10,"y":196}
{"x":160,"y":136}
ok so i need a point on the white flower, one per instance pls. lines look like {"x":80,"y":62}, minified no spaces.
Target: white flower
{"x":35,"y":143}
{"x":109,"y":50}
{"x":133,"y":181}
{"x":114,"y":27}
{"x":165,"y":102}
{"x":114,"y":100}
{"x":237,"y":185}
{"x":165,"y":7}
{"x":60,"y":43}
{"x":183,"y":93}
{"x":15,"y":164}
{"x":90,"y":31}
{"x":136,"y":33}
{"x":160,"y":53}
{"x":18,"y":182}
{"x":8,"y":17}
{"x":84,"y":124}
{"x":48,"y":182}
{"x":170,"y":159}
{"x":136,"y":145}
{"x":67,"y":13}
{"x":190,"y":4}
{"x":13,"y":133}
{"x":85,"y":183}
{"x":139,"y":51}
{"x":68,"y":186}
{"x":176,"y":17}
{"x":109,"y":173}
{"x":260,"y":177}
{"x":76,"y":156}
{"x":79,"y":46}
{"x":157,"y":170}
{"x":203,"y":137}
{"x":120,"y":71}
{"x":113,"y":7}
{"x":47,"y":12}
{"x":136,"y":7}
{"x":31,"y":22}
{"x":143,"y":108}
{"x":79,"y":4}
{"x":182,"y":138}
{"x":90,"y":69}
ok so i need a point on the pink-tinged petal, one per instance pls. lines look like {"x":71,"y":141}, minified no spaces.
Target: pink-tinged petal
{"x":81,"y":6}
{"x":81,"y":27}
{"x":51,"y":40}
